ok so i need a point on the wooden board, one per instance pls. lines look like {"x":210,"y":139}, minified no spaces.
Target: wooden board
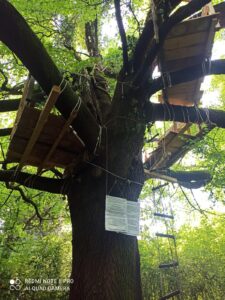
{"x":40,"y":124}
{"x":173,"y":145}
{"x":191,"y":26}
{"x":60,"y":157}
{"x":171,"y":148}
{"x":68,"y":148}
{"x":188,"y":43}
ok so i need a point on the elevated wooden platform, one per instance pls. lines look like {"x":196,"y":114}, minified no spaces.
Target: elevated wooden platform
{"x":188,"y":43}
{"x":172,"y":146}
{"x":42,"y":139}
{"x":65,"y":152}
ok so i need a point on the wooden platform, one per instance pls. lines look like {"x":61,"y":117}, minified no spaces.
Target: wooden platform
{"x":188,"y":43}
{"x":172,"y":146}
{"x":65,"y":152}
{"x":42,"y":139}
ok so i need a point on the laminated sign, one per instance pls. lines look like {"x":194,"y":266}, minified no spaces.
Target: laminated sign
{"x":122,"y":215}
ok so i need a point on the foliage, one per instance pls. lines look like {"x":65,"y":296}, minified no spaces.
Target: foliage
{"x":201,"y":262}
{"x":33,"y":249}
{"x":30,"y":249}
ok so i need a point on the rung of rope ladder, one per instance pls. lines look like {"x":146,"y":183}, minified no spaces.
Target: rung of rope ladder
{"x":170,"y":295}
{"x":163,"y":215}
{"x":165,"y":235}
{"x":169,"y":265}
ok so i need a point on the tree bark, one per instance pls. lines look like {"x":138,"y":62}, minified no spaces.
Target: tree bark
{"x":105,"y":264}
{"x":56,"y":186}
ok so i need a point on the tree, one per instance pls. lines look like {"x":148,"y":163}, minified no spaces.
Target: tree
{"x":105,"y":264}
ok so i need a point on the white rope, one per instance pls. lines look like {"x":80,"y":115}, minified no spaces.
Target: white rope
{"x":115,"y":175}
{"x":154,"y":19}
{"x":166,"y":79}
{"x":99,"y":139}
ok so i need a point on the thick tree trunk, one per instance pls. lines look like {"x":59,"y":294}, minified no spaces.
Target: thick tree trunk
{"x":105,"y":264}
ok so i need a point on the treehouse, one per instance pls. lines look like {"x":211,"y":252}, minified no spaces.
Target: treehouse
{"x":188,"y":43}
{"x":42,"y":139}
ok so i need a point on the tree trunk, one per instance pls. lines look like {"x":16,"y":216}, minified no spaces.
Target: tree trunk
{"x":105,"y":264}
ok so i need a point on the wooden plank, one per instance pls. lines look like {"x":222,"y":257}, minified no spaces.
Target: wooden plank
{"x":184,"y":41}
{"x":170,"y":295}
{"x":178,"y":64}
{"x":50,"y":132}
{"x":60,"y":158}
{"x":191,"y":26}
{"x":54,"y":94}
{"x":185,"y":100}
{"x":165,"y":235}
{"x":58,"y":139}
{"x":184,"y":52}
{"x":26,"y":93}
{"x":207,"y":51}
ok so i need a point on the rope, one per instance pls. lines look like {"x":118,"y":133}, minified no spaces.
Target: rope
{"x":99,"y":139}
{"x":166,"y":79}
{"x":113,"y":174}
{"x":154,"y":19}
{"x":206,"y":66}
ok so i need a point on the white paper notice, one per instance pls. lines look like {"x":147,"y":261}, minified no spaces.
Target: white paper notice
{"x":122,"y":215}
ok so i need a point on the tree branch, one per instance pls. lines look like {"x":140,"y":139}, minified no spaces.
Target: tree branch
{"x":91,"y":37}
{"x":5,"y":82}
{"x":57,"y":186}
{"x":166,"y":112}
{"x":216,"y":67}
{"x":9,"y":105}
{"x":122,"y":35}
{"x":190,"y":180}
{"x":19,"y":38}
{"x":26,"y":199}
{"x":5,"y":131}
